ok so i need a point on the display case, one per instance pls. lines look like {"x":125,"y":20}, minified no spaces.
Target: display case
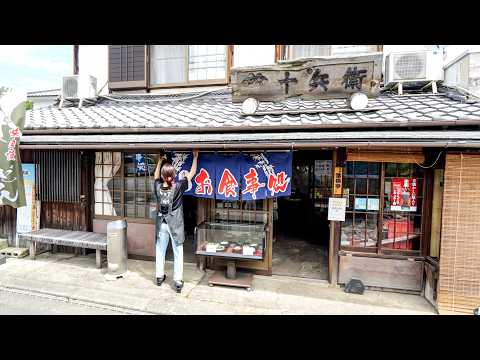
{"x":231,"y":240}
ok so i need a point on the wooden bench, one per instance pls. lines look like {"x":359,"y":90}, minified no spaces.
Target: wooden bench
{"x":77,"y":239}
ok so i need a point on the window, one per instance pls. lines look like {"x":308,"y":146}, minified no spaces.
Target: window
{"x":297,"y":51}
{"x":187,"y":64}
{"x":372,"y":222}
{"x":362,"y":189}
{"x":124,"y":184}
{"x":251,"y":211}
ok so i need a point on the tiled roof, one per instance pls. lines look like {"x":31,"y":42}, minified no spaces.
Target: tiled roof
{"x":215,"y":111}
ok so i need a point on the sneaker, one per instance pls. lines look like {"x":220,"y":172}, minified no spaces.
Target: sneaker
{"x":161,"y":280}
{"x":178,"y":286}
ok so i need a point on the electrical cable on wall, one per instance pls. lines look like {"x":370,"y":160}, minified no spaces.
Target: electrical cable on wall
{"x":436,"y":160}
{"x":161,"y":100}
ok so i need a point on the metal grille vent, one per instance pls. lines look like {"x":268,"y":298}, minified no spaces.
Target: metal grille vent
{"x":409,"y":66}
{"x":58,"y":176}
{"x":70,"y":87}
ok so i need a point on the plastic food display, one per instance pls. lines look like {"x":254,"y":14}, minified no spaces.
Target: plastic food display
{"x":240,"y":241}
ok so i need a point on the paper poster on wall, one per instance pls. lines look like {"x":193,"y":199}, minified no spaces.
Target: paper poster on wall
{"x":28,"y":217}
{"x":360,"y":203}
{"x":323,"y":167}
{"x":336,"y":209}
{"x":373,"y":204}
{"x":404,"y":194}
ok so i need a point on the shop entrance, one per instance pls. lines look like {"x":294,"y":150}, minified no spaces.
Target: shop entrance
{"x":301,"y":229}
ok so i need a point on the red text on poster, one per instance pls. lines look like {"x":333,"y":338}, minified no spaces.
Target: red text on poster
{"x":203,"y":182}
{"x":403,"y":195}
{"x":228,"y":184}
{"x":278,"y":183}
{"x":252,"y":185}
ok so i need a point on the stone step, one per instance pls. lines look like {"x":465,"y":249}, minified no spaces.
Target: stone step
{"x":14,"y":252}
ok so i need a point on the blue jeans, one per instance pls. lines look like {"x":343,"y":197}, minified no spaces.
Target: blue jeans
{"x":164,"y":236}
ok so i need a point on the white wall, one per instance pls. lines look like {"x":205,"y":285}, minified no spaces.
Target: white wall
{"x":93,"y":60}
{"x":249,"y":55}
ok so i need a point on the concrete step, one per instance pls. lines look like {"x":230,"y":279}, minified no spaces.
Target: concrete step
{"x":14,"y":252}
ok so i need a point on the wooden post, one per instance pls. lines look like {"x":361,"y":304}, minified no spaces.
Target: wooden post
{"x":32,"y":250}
{"x":98,"y":258}
{"x":339,"y":156}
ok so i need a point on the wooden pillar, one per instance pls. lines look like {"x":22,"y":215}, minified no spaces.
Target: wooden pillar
{"x":339,"y":156}
{"x":32,"y":250}
{"x":98,"y":258}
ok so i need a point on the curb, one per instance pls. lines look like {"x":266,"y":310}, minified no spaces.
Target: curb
{"x":76,"y":300}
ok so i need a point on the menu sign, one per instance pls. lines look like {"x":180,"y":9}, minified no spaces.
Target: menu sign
{"x":404,"y":194}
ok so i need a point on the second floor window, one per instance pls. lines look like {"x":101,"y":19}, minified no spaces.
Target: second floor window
{"x":298,"y":51}
{"x":187,"y":64}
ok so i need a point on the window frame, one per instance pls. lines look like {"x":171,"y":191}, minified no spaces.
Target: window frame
{"x":225,"y":81}
{"x":380,"y":250}
{"x":122,"y":194}
{"x":281,"y":51}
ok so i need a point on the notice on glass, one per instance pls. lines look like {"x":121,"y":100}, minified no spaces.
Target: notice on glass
{"x":211,"y":248}
{"x":404,"y":194}
{"x":336,"y":209}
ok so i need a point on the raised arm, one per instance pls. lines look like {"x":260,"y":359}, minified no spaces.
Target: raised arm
{"x":159,"y":167}
{"x":193,"y":170}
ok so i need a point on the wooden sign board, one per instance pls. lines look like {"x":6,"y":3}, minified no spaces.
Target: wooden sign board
{"x":337,"y":181}
{"x":309,"y":78}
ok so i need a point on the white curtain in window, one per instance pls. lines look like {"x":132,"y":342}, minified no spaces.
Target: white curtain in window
{"x":206,"y":62}
{"x":351,"y":49}
{"x":105,"y":170}
{"x":168,"y":64}
{"x":298,"y":51}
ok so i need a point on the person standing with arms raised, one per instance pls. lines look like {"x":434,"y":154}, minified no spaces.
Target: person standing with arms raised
{"x":169,"y":219}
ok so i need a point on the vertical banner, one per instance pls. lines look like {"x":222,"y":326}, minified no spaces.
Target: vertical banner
{"x":404,"y":194}
{"x":12,"y":120}
{"x":204,"y":180}
{"x":254,"y":177}
{"x":279,"y":181}
{"x":28,"y":216}
{"x":140,"y":165}
{"x":227,"y":176}
{"x":182,"y":162}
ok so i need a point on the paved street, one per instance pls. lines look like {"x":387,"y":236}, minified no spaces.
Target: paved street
{"x":77,"y":281}
{"x":17,"y":303}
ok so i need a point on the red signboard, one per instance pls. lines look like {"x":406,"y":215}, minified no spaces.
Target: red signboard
{"x":403,"y":196}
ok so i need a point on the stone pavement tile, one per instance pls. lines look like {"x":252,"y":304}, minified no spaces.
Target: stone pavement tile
{"x":238,"y":297}
{"x":111,"y":298}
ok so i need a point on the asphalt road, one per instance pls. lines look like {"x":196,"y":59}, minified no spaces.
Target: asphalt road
{"x":14,"y":303}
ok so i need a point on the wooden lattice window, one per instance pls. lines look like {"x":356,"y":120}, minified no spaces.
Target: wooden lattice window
{"x":370,"y":223}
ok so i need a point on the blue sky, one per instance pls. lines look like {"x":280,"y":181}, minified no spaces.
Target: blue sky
{"x":35,"y":67}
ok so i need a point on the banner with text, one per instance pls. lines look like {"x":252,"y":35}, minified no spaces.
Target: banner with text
{"x":247,"y":176}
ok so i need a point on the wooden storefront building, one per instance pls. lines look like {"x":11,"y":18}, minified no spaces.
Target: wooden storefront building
{"x":84,"y":158}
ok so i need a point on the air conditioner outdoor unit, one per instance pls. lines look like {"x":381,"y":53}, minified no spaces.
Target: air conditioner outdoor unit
{"x":413,"y":66}
{"x":79,"y":87}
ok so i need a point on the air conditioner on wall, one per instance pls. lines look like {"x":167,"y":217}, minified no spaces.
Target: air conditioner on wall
{"x":413,"y":66}
{"x":79,"y":87}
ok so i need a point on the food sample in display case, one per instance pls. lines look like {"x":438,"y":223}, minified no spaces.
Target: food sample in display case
{"x":238,"y":240}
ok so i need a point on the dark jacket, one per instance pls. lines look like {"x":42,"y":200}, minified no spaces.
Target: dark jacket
{"x":174,"y":219}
